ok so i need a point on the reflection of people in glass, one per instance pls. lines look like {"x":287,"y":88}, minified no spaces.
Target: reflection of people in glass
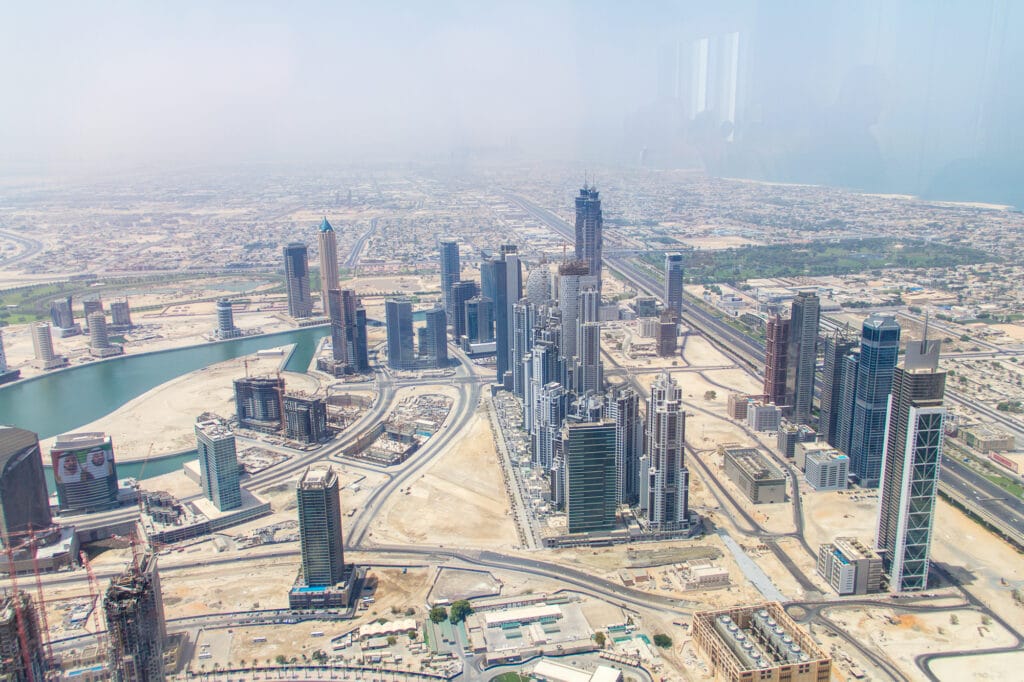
{"x":68,"y":470}
{"x":96,"y":464}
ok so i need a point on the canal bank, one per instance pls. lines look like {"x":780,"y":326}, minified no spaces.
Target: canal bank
{"x":64,"y":401}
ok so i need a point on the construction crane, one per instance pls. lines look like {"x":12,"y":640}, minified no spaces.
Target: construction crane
{"x":34,"y":547}
{"x":100,"y":631}
{"x":19,"y":614}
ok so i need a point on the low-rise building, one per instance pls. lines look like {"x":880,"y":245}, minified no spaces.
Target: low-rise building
{"x":760,"y":480}
{"x":790,"y":434}
{"x":988,"y":438}
{"x":827,"y":469}
{"x":758,"y":643}
{"x":850,"y":566}
{"x":763,"y":417}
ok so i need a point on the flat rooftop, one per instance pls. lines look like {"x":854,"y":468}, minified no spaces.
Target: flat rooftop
{"x":73,"y":441}
{"x":754,"y":464}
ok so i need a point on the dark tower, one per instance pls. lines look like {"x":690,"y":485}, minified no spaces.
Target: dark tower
{"x":801,"y":353}
{"x":776,"y":340}
{"x":296,"y":277}
{"x":323,"y":554}
{"x":589,"y":229}
{"x":450,"y":272}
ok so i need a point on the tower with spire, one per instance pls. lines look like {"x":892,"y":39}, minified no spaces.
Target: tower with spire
{"x":328,"y":261}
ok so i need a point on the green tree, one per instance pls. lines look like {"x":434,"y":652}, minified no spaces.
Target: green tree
{"x":710,"y":395}
{"x":392,"y":640}
{"x":599,"y":639}
{"x":662,"y":640}
{"x":280,"y":659}
{"x":460,"y":609}
{"x":438,"y":614}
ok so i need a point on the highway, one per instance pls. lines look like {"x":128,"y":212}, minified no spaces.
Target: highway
{"x":357,"y":248}
{"x":29,"y":247}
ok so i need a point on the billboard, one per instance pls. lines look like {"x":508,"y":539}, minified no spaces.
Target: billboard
{"x":85,"y":474}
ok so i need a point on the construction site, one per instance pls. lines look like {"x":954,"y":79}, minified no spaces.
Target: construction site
{"x":409,"y":426}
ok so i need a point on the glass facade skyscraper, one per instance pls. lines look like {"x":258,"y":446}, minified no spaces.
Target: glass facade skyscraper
{"x":879,"y":347}
{"x":319,"y":503}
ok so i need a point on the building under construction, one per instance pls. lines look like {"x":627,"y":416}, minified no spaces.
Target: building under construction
{"x":134,"y":612}
{"x":759,"y":643}
{"x":21,"y":643}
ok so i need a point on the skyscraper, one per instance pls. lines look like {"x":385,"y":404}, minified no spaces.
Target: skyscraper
{"x":910,"y":467}
{"x":590,"y":495}
{"x":226,"y":328}
{"x":590,"y":370}
{"x":91,"y":305}
{"x":42,"y":344}
{"x":134,"y":611}
{"x":668,"y":335}
{"x":847,"y":396}
{"x":451,"y":272}
{"x":522,"y":343}
{"x":513,"y":291}
{"x":296,"y":277}
{"x":336,"y":313}
{"x":572,"y":279}
{"x":801,"y":354}
{"x":218,"y":462}
{"x":674,"y":284}
{"x":622,"y":406}
{"x":879,"y":347}
{"x":776,"y":342}
{"x":84,"y":472}
{"x":21,"y":660}
{"x":398,"y":317}
{"x":305,"y":418}
{"x":538,"y":285}
{"x":461,"y":292}
{"x":24,"y":502}
{"x":121,"y":314}
{"x":61,"y":313}
{"x":667,"y":481}
{"x":589,"y":230}
{"x":479,"y":320}
{"x":360,"y":358}
{"x":328,"y":246}
{"x":546,"y":365}
{"x":552,"y":403}
{"x":496,"y":272}
{"x":836,"y":348}
{"x":258,"y":403}
{"x":437,"y":337}
{"x":323,"y":556}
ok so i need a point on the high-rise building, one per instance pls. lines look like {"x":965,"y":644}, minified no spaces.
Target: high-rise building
{"x":121,"y":314}
{"x":361,"y":352}
{"x":479,"y":320}
{"x":674,"y":284}
{"x":546,"y":365}
{"x":879,"y":347}
{"x":136,"y":627}
{"x":837,"y":347}
{"x":3,"y":355}
{"x":590,"y":370}
{"x":398,"y":317}
{"x":589,"y":230}
{"x":538,"y":285}
{"x":552,"y":404}
{"x":323,"y":555}
{"x":22,"y":658}
{"x":226,"y":328}
{"x":328,"y":245}
{"x":305,"y":418}
{"x":665,"y":484}
{"x":90,"y":306}
{"x":258,"y":403}
{"x":84,"y":472}
{"x":461,"y":293}
{"x":667,"y":335}
{"x":494,"y":281}
{"x":801,"y":355}
{"x":296,"y":278}
{"x":42,"y":344}
{"x":523,"y":315}
{"x":513,"y":292}
{"x":6,"y":373}
{"x":437,"y":337}
{"x":61,"y":313}
{"x":218,"y":462}
{"x":336,"y":313}
{"x":910,"y":467}
{"x":847,"y":395}
{"x":622,"y":406}
{"x":776,"y":342}
{"x":98,"y":338}
{"x":572,"y":279}
{"x":24,"y":502}
{"x":451,"y":272}
{"x":590,"y":495}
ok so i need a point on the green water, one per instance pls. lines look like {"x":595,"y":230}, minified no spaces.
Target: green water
{"x":66,"y":400}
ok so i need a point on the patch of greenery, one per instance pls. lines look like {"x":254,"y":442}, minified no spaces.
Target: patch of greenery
{"x":845,"y":256}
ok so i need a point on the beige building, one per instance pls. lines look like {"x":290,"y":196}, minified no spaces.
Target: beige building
{"x":759,"y":643}
{"x":759,"y":479}
{"x":850,"y":566}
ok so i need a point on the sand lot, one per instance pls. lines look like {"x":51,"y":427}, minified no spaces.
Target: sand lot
{"x":460,"y":501}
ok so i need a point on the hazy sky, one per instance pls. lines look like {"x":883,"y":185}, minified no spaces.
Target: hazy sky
{"x":183,"y":81}
{"x":915,"y":96}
